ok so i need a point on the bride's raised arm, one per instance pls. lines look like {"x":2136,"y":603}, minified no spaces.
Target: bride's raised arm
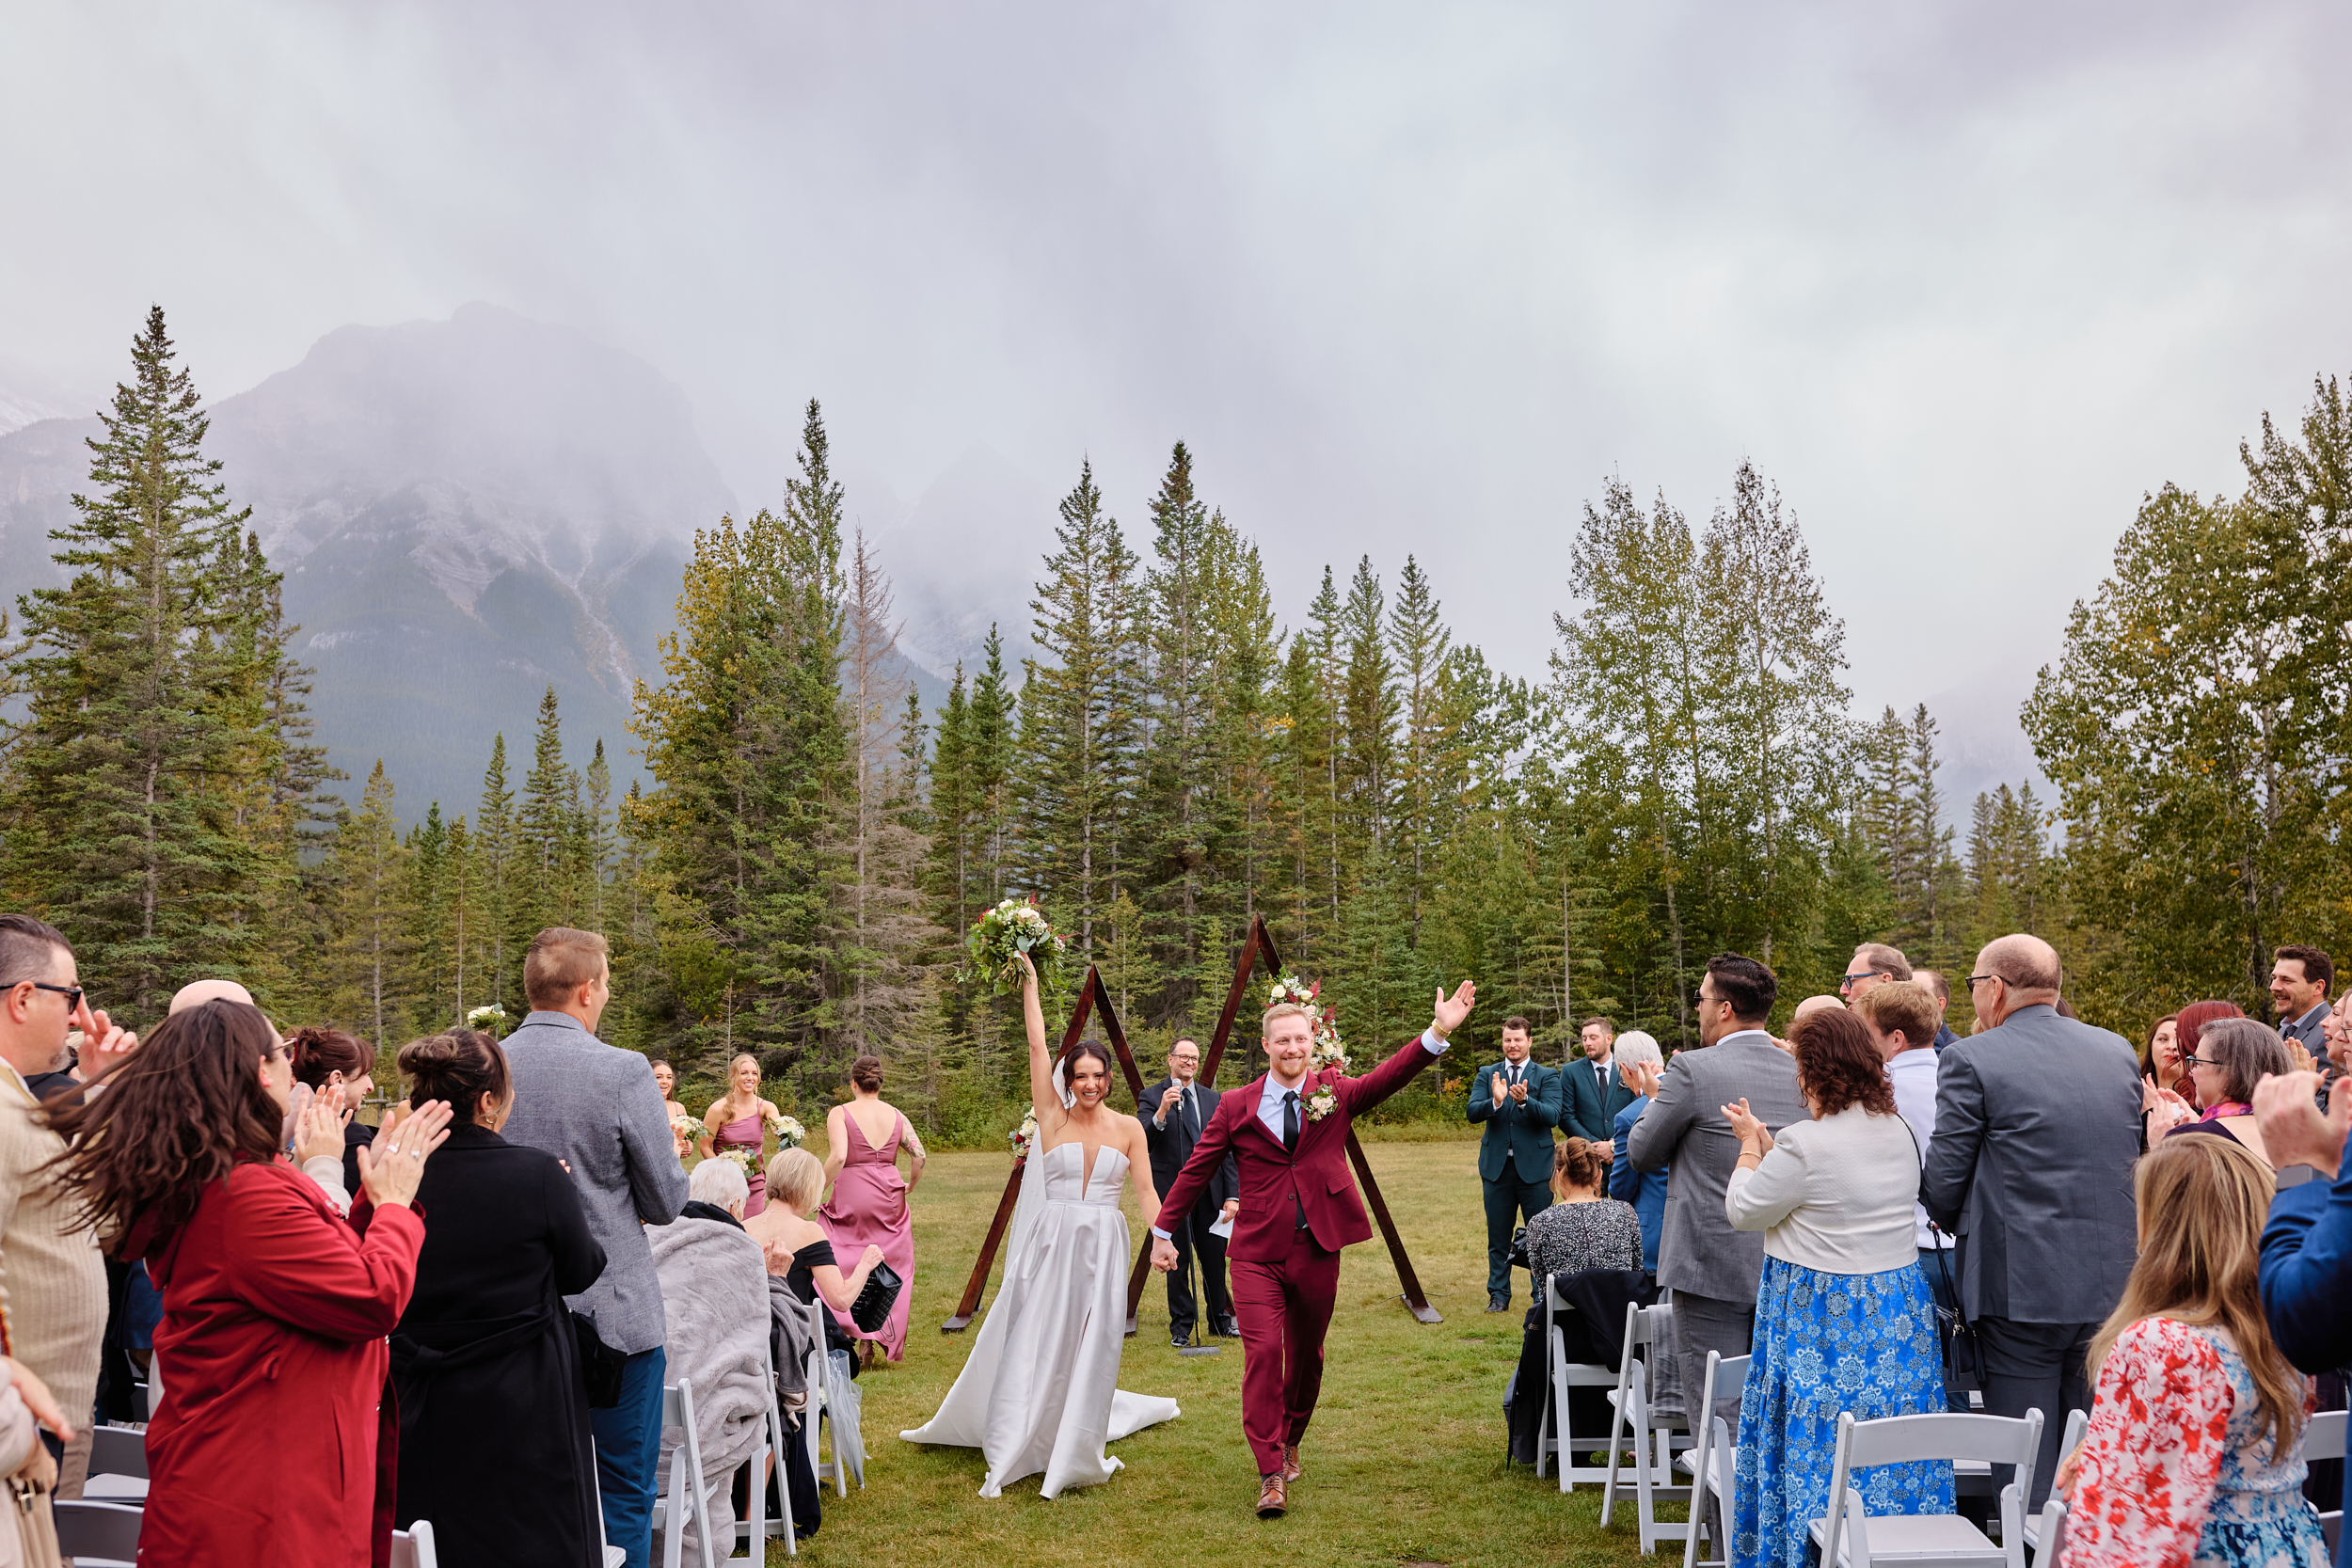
{"x":1043,"y":1095}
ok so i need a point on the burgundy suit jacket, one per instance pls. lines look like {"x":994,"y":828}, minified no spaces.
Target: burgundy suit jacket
{"x":1315,"y":1173}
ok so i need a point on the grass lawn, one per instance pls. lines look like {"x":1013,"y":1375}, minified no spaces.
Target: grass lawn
{"x":1404,"y":1464}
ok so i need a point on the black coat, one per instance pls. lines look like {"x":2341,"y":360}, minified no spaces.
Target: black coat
{"x":485,"y":1364}
{"x":1171,"y":1146}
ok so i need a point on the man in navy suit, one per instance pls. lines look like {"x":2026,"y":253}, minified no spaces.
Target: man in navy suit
{"x":1173,"y":1111}
{"x":1592,"y":1091}
{"x":2307,"y":1246}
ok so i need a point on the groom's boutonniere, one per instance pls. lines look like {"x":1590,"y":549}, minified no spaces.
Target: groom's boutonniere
{"x":1321,"y":1102}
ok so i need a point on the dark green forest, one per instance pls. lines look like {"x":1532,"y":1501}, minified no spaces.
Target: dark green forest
{"x":795,"y":877}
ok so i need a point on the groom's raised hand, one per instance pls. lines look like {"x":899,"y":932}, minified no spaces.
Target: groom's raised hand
{"x":1452,"y":1011}
{"x":1163,"y":1254}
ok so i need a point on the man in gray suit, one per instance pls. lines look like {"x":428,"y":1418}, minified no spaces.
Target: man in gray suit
{"x":1711,"y":1268}
{"x":2299,"y":979}
{"x":596,"y":1107}
{"x":2037,"y":1127}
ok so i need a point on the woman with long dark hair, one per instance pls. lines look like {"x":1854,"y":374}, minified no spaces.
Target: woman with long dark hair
{"x":486,"y":1359}
{"x":269,"y":1446}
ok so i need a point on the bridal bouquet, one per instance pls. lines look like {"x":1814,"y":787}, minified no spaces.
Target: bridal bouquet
{"x":489,"y":1020}
{"x":788,"y":1131}
{"x":1329,"y":1050}
{"x":1015,"y":926}
{"x":1024,"y":1137}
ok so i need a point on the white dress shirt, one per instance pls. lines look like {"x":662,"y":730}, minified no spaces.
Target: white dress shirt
{"x":1270,"y":1098}
{"x":1913,"y":1073}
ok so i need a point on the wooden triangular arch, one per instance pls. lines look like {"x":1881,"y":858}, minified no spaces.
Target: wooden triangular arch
{"x":1092,"y":995}
{"x":1258,"y":947}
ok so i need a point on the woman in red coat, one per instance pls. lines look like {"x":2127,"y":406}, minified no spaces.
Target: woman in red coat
{"x":274,"y":1442}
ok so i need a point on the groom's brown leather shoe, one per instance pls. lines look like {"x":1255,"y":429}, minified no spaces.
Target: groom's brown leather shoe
{"x":1272,"y":1497}
{"x":1292,"y":1470}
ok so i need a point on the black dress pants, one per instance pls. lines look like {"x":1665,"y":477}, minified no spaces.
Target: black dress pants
{"x":1191,"y":1237}
{"x":2040,"y":1367}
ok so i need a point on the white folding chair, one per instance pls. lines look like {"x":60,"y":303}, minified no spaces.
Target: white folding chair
{"x":2324,"y":1438}
{"x":118,"y":1466}
{"x":1713,"y":1461}
{"x":1849,"y":1537}
{"x":822,"y":1411}
{"x":1655,"y":1436}
{"x":2049,"y":1529}
{"x":413,"y":1548}
{"x":1563,"y":1375}
{"x":753,"y":1531}
{"x":97,"y":1535}
{"x":688,"y":1492}
{"x":2077,"y":1423}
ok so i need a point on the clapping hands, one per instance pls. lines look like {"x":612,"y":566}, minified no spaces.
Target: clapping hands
{"x":2293,"y":1130}
{"x":1755,"y":1137}
{"x":391,"y":1167}
{"x":318,"y":1124}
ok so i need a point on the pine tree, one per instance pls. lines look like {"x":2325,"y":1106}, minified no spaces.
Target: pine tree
{"x":1419,"y":645}
{"x":370,"y":915}
{"x":501,"y":878}
{"x":543,"y":829}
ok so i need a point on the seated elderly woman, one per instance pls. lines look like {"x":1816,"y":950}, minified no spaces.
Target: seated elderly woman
{"x":714,"y":1296}
{"x":2231,"y":1055}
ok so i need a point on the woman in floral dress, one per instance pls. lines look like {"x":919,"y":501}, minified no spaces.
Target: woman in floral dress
{"x":2195,"y":1453}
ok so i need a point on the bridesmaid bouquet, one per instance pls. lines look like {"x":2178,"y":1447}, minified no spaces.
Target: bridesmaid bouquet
{"x":788,"y":1131}
{"x":744,"y":1160}
{"x":685,"y":1126}
{"x":1012,"y":927}
{"x":1024,"y":1137}
{"x":1328,"y":1051}
{"x":489,"y":1020}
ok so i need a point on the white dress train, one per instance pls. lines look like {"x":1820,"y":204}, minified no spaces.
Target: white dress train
{"x":1040,"y":1390}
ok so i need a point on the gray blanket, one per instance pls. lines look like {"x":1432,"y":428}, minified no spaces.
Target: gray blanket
{"x":714,"y":1294}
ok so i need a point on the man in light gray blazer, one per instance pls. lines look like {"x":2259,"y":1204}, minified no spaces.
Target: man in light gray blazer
{"x":1711,"y":1268}
{"x":596,"y":1107}
{"x":2037,"y":1126}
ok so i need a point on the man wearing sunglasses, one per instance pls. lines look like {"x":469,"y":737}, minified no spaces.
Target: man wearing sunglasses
{"x":56,"y":1275}
{"x":1874,"y":963}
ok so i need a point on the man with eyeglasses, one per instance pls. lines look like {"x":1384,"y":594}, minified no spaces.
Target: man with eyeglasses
{"x":1874,"y":963}
{"x":56,"y":1275}
{"x":1713,"y":1269}
{"x":2036,"y":1128}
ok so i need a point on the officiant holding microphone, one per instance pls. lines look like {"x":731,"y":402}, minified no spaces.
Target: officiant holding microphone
{"x":1173,"y":1111}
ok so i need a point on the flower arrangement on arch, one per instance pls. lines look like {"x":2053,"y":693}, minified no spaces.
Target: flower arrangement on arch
{"x":788,"y":1131}
{"x":1023,"y":1138}
{"x":999,"y":938}
{"x":1328,"y":1049}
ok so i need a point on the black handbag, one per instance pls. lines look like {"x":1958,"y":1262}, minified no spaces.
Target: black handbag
{"x":601,"y":1366}
{"x":1963,"y":1353}
{"x":872,"y":1308}
{"x":1518,"y":1250}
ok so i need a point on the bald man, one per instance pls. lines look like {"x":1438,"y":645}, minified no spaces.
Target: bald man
{"x":2037,"y":1126}
{"x":196,"y":992}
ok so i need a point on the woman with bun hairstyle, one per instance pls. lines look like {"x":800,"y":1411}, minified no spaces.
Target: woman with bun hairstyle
{"x":484,"y":1360}
{"x":1585,"y":1228}
{"x":270,"y":1447}
{"x":869,"y":1199}
{"x":341,"y":1068}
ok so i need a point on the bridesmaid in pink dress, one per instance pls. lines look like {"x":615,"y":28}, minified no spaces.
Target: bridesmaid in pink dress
{"x":739,"y":1119}
{"x":870,"y":1200}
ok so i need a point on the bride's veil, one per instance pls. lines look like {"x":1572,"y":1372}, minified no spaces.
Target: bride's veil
{"x":1032,"y":1200}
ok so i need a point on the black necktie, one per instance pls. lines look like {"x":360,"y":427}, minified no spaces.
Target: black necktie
{"x":1600,"y":1080}
{"x":1290,"y":1120}
{"x":1192,"y":1113}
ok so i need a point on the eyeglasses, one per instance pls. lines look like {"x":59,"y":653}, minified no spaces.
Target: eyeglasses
{"x":1974,"y":978}
{"x":2187,"y":1060}
{"x":1856,"y":979}
{"x":73,"y":994}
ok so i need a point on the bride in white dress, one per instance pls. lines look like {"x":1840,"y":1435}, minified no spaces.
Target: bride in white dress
{"x":1041,"y":1391}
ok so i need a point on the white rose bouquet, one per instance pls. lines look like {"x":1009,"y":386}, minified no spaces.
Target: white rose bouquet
{"x":789,"y":1132}
{"x":744,"y":1160}
{"x":490,"y":1020}
{"x":1023,"y":1138}
{"x":1015,"y":926}
{"x":1329,"y":1050}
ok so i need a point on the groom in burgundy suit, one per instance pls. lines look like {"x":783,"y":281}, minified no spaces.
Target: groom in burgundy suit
{"x":1299,"y":1206}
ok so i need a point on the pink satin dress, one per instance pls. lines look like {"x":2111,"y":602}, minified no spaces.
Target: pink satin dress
{"x":749,"y":1133}
{"x":870,"y":1209}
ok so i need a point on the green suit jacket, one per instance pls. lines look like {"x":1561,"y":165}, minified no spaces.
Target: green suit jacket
{"x":1519,"y":1135}
{"x":1584,"y":1110}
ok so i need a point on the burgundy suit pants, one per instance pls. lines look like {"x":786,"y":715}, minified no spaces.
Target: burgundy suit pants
{"x":1284,"y":1308}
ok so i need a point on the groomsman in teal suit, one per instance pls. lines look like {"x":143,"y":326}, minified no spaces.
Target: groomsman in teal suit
{"x":1592,"y":1091}
{"x":1519,"y":1102}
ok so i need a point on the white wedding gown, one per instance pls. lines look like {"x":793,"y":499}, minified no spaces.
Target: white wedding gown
{"x":1041,"y":1391}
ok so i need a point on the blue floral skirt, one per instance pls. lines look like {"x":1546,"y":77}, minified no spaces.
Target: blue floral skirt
{"x":1827,"y":1343}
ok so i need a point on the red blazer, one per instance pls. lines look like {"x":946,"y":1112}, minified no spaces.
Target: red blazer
{"x":1315,"y":1173}
{"x":276,"y":1433}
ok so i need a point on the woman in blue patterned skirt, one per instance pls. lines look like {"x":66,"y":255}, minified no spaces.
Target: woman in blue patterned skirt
{"x":1844,"y":1320}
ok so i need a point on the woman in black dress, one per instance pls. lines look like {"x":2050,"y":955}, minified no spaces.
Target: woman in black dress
{"x":494,"y":1444}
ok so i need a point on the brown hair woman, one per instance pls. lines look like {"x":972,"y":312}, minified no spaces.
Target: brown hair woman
{"x":870,"y":1200}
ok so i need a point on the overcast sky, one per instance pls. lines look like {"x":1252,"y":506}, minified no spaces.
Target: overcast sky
{"x":1964,"y":280}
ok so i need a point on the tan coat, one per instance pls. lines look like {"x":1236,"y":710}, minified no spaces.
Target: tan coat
{"x":54,"y":1275}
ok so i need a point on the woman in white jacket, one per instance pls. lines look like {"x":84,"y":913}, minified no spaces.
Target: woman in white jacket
{"x":1844,"y":1319}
